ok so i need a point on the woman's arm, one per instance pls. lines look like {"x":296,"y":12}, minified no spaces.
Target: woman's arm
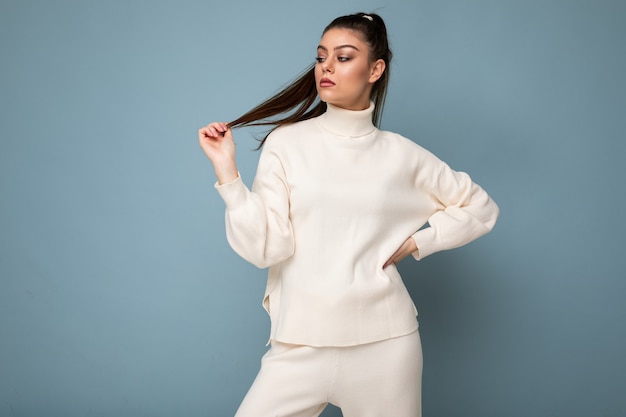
{"x":465,"y":211}
{"x":216,"y":140}
{"x":258,"y":227}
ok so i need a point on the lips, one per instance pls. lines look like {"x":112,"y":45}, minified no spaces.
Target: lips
{"x":325,"y":82}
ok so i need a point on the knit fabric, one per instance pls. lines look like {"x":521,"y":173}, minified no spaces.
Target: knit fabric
{"x":333,"y":198}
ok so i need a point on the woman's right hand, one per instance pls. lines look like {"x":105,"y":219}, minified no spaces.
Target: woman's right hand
{"x":216,"y":140}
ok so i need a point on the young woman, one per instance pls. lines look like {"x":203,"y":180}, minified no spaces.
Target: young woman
{"x":335,"y":204}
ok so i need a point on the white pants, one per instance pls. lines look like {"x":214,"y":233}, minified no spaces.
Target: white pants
{"x":380,"y":379}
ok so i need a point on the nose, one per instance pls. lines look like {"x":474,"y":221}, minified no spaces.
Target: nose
{"x":326,"y":66}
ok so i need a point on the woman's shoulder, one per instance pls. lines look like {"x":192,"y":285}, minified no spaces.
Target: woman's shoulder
{"x":401,"y":141}
{"x":301,"y":126}
{"x":286,"y":134}
{"x":409,"y":148}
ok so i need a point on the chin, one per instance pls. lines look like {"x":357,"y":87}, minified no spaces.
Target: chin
{"x":326,"y":98}
{"x":329,"y":99}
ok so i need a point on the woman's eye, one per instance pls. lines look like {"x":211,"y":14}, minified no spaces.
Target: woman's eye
{"x":343,"y":58}
{"x":319,"y":59}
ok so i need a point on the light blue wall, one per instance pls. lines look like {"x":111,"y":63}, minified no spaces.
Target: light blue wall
{"x":119,"y":295}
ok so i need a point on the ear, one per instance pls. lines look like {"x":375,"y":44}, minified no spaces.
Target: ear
{"x":377,"y":70}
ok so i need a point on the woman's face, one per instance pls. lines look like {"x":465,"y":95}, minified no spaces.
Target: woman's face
{"x":344,"y":75}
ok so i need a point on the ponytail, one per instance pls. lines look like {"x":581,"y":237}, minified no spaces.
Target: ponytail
{"x":298,"y":101}
{"x":300,"y":94}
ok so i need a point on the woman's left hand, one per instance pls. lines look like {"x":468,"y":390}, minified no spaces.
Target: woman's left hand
{"x":407,"y":248}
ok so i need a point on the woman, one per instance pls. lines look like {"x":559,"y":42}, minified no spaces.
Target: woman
{"x":335,"y":204}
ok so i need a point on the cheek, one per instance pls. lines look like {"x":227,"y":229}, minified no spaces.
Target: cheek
{"x":356,"y":75}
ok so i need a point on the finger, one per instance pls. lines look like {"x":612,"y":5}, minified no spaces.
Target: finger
{"x":216,"y":131}
{"x":390,"y":261}
{"x":203,"y":132}
{"x":407,"y":247}
{"x":219,"y":126}
{"x":207,"y":132}
{"x":213,"y":131}
{"x":216,"y":127}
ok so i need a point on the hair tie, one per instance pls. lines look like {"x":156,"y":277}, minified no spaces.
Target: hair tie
{"x":368,"y":17}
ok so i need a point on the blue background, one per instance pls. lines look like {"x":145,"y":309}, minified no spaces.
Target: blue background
{"x":119,"y":295}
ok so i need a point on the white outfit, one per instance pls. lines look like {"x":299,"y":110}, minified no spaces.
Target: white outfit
{"x":380,"y":379}
{"x":333,"y":199}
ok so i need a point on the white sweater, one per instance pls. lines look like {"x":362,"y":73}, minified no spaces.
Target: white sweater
{"x":332,"y":200}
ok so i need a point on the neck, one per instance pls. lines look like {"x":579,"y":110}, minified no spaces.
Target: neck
{"x":348,"y":123}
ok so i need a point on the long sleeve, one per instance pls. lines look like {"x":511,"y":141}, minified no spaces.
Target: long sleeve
{"x":464,"y":211}
{"x":257,"y":222}
{"x":332,"y":199}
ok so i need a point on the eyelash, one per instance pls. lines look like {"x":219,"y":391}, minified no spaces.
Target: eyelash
{"x":320,"y":59}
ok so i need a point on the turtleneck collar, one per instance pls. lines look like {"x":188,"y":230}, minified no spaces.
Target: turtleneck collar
{"x":348,"y":123}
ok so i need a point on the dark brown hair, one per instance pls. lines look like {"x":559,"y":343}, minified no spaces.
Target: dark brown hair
{"x":298,"y":101}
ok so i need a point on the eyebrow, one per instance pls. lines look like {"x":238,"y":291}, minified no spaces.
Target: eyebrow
{"x":338,"y":47}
